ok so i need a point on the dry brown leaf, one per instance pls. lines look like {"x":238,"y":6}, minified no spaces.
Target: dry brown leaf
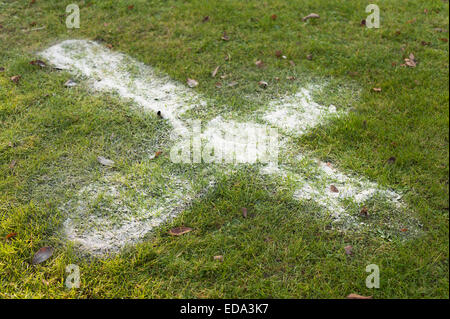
{"x":157,"y":154}
{"x":309,"y":57}
{"x":244,"y":212}
{"x":130,"y":7}
{"x":444,"y":40}
{"x":334,"y":189}
{"x":273,"y":17}
{"x":38,"y":62}
{"x":259,"y":63}
{"x":391,"y":160}
{"x":12,"y":164}
{"x":15,"y":78}
{"x":263,"y":84}
{"x":205,"y":19}
{"x":42,"y":255}
{"x":364,"y":211}
{"x":225,"y":36}
{"x":214,"y":72}
{"x":231,"y":84}
{"x":291,"y":78}
{"x":10,"y":235}
{"x":192,"y":83}
{"x":178,"y":231}
{"x":356,"y":296}
{"x":404,"y":230}
{"x":311,"y":16}
{"x":411,"y":21}
{"x":218,"y":84}
{"x":278,"y":53}
{"x":348,"y":250}
{"x":377,"y":89}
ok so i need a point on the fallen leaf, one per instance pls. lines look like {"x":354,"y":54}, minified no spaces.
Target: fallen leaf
{"x":411,"y":21}
{"x":273,"y":17}
{"x":244,"y":212}
{"x":377,"y":89}
{"x":219,"y":258}
{"x":391,"y":160}
{"x":157,"y":153}
{"x":398,"y":32}
{"x":2,"y":69}
{"x":356,"y":296}
{"x":259,"y":63}
{"x":130,"y":7}
{"x":278,"y":53}
{"x":424,"y":43}
{"x":292,"y":63}
{"x":364,"y":211}
{"x":411,"y":61}
{"x":15,"y":78}
{"x":70,"y":83}
{"x":109,"y":46}
{"x":311,"y":16}
{"x":42,"y":255}
{"x":227,"y":57}
{"x":38,"y":62}
{"x":263,"y":84}
{"x":309,"y":57}
{"x":218,"y":85}
{"x":178,"y":231}
{"x":231,"y":84}
{"x":214,"y":72}
{"x":404,"y":229}
{"x":12,"y":164}
{"x":205,"y":19}
{"x":225,"y":36}
{"x":348,"y":250}
{"x":291,"y":78}
{"x":10,"y":235}
{"x":334,"y":189}
{"x":192,"y":83}
{"x":104,"y":161}
{"x":444,"y":40}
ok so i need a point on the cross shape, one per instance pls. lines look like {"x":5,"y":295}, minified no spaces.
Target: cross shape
{"x":107,"y":71}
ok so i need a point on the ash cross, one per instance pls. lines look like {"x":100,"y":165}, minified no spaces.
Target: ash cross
{"x":134,"y":208}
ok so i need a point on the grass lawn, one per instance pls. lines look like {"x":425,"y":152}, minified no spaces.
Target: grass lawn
{"x":51,"y":136}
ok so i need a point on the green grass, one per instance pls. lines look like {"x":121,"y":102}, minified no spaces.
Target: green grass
{"x":281,"y":250}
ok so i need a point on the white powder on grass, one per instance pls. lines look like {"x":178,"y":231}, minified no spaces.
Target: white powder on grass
{"x":111,"y":71}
